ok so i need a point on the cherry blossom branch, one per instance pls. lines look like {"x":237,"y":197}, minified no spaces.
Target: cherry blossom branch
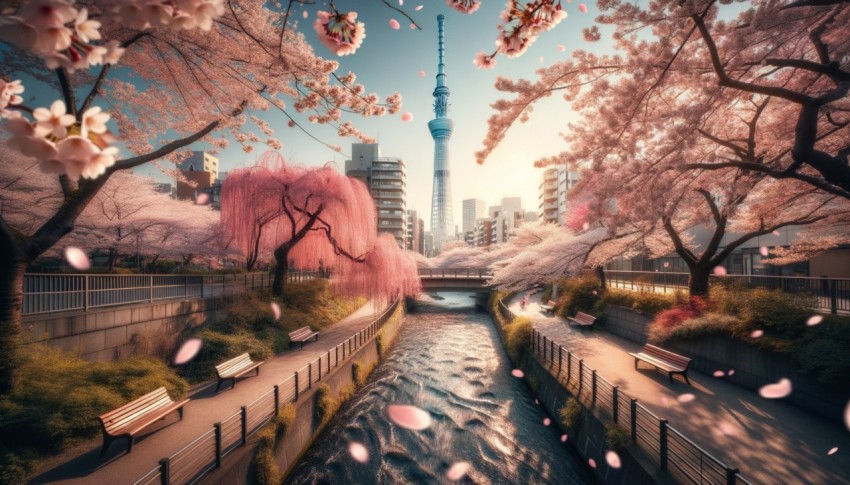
{"x":245,"y":31}
{"x":413,"y":22}
{"x":813,"y":3}
{"x":832,"y":70}
{"x":298,"y":125}
{"x":67,"y":91}
{"x":104,"y":71}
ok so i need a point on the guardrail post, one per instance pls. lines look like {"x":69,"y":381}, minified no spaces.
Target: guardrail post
{"x":329,"y":361}
{"x":244,"y":412}
{"x":544,"y":349}
{"x":593,"y":385}
{"x":309,"y":375}
{"x":569,"y":367}
{"x":276,"y":400}
{"x":320,"y":370}
{"x":150,"y":289}
{"x":580,"y":377}
{"x":296,"y":386}
{"x":615,"y":402}
{"x":336,"y":351}
{"x":552,"y":352}
{"x":217,"y":428}
{"x":662,"y":439}
{"x":833,"y":297}
{"x":634,"y":420}
{"x":730,"y":476}
{"x":86,"y":293}
{"x":165,"y":471}
{"x":560,"y":356}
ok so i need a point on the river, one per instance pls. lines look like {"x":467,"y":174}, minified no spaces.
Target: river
{"x":447,"y":360}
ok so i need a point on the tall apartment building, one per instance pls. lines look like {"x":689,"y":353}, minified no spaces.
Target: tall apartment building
{"x":552,"y":198}
{"x":566,"y":182}
{"x":386,"y":179}
{"x":415,"y":232}
{"x":473,"y":209}
{"x":199,"y":172}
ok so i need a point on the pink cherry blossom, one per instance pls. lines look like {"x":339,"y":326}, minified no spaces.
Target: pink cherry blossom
{"x":464,"y":6}
{"x":10,"y":95}
{"x":582,"y":8}
{"x":54,"y":121}
{"x":47,"y":13}
{"x":421,"y":73}
{"x":764,"y":251}
{"x":407,"y":116}
{"x":547,"y":421}
{"x":305,"y":14}
{"x":778,"y":390}
{"x":409,"y":417}
{"x":562,"y":48}
{"x":340,"y":32}
{"x":86,"y":28}
{"x":77,"y":258}
{"x":400,"y":2}
{"x":731,"y":372}
{"x":727,"y":428}
{"x":757,"y":333}
{"x":275,"y":310}
{"x":394,"y":24}
{"x":815,"y":320}
{"x":358,"y":452}
{"x":719,"y":271}
{"x":517,"y":373}
{"x":188,"y":351}
{"x":484,"y":61}
{"x":94,"y":121}
{"x":563,"y":438}
{"x":685,"y":398}
{"x":832,"y":450}
{"x":591,"y":462}
{"x":458,"y":470}
{"x":719,"y":373}
{"x":412,"y":26}
{"x":847,"y":415}
{"x":776,"y":233}
{"x":613,"y":459}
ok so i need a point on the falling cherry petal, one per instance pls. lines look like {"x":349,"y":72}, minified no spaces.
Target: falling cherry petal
{"x":764,"y":251}
{"x":776,"y":233}
{"x":400,"y":3}
{"x":421,"y":73}
{"x":665,"y":401}
{"x":358,"y":452}
{"x":720,"y":271}
{"x":541,"y":59}
{"x":202,"y":199}
{"x":666,"y":264}
{"x":188,"y":351}
{"x":687,"y":397}
{"x":757,"y":333}
{"x":77,"y":258}
{"x":409,"y":417}
{"x":731,"y":372}
{"x":305,"y":14}
{"x":517,"y":373}
{"x":719,"y":373}
{"x":407,"y":116}
{"x":727,"y":429}
{"x":585,"y":226}
{"x":613,"y":459}
{"x":582,"y":8}
{"x":777,"y":390}
{"x":412,"y":25}
{"x":547,"y":422}
{"x":394,"y":24}
{"x":592,"y":463}
{"x":458,"y":470}
{"x":832,"y":450}
{"x":561,"y":48}
{"x":536,"y":402}
{"x":847,"y":415}
{"x":418,"y":8}
{"x":563,"y":438}
{"x":276,"y":310}
{"x":815,"y":320}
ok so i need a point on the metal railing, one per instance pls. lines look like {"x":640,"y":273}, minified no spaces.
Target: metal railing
{"x":205,"y":452}
{"x":47,"y":293}
{"x":669,"y":449}
{"x":831,"y":294}
{"x":478,"y":273}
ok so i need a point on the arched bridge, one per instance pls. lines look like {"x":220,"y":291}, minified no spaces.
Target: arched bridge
{"x":455,"y":279}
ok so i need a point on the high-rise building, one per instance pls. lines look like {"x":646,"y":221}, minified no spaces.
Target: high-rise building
{"x":442,"y":225}
{"x":473,"y":209}
{"x":566,"y":182}
{"x":547,"y":195}
{"x":386,"y":179}
{"x":415,"y":232}
{"x":199,"y":172}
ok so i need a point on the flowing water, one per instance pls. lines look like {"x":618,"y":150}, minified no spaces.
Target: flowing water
{"x":447,"y":360}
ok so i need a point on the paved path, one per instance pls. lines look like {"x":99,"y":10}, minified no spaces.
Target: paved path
{"x":205,"y":408}
{"x":770,"y":442}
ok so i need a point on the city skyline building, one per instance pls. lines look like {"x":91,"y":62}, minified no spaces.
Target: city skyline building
{"x":385,"y":178}
{"x":473,"y":209}
{"x":442,"y":224}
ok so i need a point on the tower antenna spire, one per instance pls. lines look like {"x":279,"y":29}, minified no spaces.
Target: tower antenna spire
{"x":442,"y":225}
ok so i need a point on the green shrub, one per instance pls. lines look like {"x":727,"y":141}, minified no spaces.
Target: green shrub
{"x":694,"y":328}
{"x":781,"y":315}
{"x":360,"y":372}
{"x":517,"y":337}
{"x":266,"y":471}
{"x":218,"y":347}
{"x":546,"y":294}
{"x":616,"y":436}
{"x":570,"y":414}
{"x":577,"y":295}
{"x":823,"y":351}
{"x":646,"y":303}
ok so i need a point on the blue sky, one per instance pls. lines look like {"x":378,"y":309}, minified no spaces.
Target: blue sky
{"x":390,"y":60}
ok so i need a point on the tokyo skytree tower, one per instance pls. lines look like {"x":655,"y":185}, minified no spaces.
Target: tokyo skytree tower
{"x":442,"y":225}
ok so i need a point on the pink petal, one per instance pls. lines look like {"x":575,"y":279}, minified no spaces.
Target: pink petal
{"x":776,"y":391}
{"x":832,"y":450}
{"x":394,"y":24}
{"x":563,"y":438}
{"x":720,"y":271}
{"x":764,"y":251}
{"x":536,"y":402}
{"x":418,"y":8}
{"x":719,"y":373}
{"x":585,"y":226}
{"x":727,"y":429}
{"x":188,"y":351}
{"x":687,"y":397}
{"x":407,"y":116}
{"x":847,"y":415}
{"x":276,"y":310}
{"x":582,"y":8}
{"x":305,"y":14}
{"x":547,"y":422}
{"x":412,"y":25}
{"x":458,"y":470}
{"x":561,"y":48}
{"x":202,"y":199}
{"x":757,"y":333}
{"x":358,"y":452}
{"x":517,"y":373}
{"x":400,"y":3}
{"x":613,"y":459}
{"x":421,"y":73}
{"x":731,"y":372}
{"x":815,"y":320}
{"x":541,"y":59}
{"x":776,"y":233}
{"x":592,"y":463}
{"x":666,"y":264}
{"x":409,"y":417}
{"x":77,"y":258}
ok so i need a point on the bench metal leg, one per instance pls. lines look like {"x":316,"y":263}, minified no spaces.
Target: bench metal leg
{"x":636,"y":361}
{"x":107,"y":440}
{"x":129,"y":444}
{"x":670,"y":375}
{"x":218,"y":386}
{"x":685,"y":375}
{"x":180,"y":412}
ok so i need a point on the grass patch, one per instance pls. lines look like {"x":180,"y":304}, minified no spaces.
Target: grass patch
{"x":641,"y":302}
{"x":264,"y":465}
{"x":59,"y":397}
{"x":706,"y":325}
{"x":517,"y":336}
{"x":360,"y":372}
{"x":570,"y":414}
{"x":327,"y":405}
{"x":616,"y":436}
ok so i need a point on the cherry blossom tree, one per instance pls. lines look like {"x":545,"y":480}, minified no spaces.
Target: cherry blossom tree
{"x":188,"y":70}
{"x":312,"y":216}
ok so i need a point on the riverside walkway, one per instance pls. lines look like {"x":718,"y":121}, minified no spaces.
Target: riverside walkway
{"x":769,"y":441}
{"x":200,"y":413}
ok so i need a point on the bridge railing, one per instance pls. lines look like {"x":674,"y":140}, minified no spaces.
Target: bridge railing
{"x":478,"y":273}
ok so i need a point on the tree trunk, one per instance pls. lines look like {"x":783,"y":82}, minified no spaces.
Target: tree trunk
{"x":281,"y":269}
{"x":698,"y":280}
{"x":110,"y":261}
{"x":600,"y":273}
{"x":11,"y":302}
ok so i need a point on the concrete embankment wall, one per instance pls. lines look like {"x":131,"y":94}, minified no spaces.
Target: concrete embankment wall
{"x":111,"y":333}
{"x":307,"y":426}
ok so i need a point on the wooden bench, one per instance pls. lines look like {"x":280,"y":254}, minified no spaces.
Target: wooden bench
{"x":130,"y":419}
{"x":302,"y":335}
{"x":235,"y":367}
{"x":581,"y":319}
{"x":664,"y":360}
{"x":549,"y":307}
